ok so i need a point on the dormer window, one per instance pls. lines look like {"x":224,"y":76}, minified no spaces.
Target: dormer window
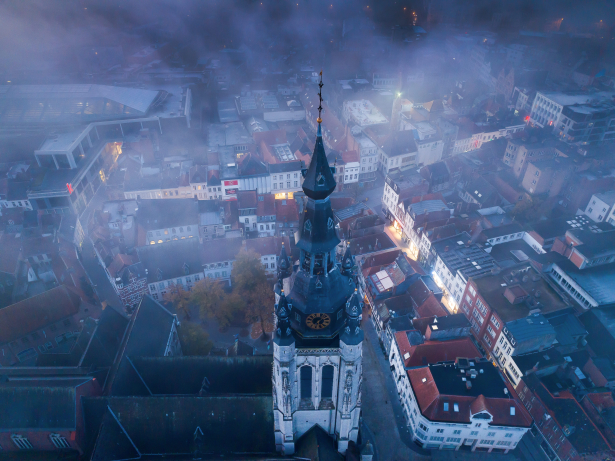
{"x":456,"y":407}
{"x":330,"y":223}
{"x":320,"y":180}
{"x":186,"y":269}
{"x":308,"y":226}
{"x":159,"y":274}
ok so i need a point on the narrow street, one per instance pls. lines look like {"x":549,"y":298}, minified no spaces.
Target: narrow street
{"x":382,"y":412}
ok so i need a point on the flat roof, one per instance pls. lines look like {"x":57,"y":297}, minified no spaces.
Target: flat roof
{"x":568,"y":99}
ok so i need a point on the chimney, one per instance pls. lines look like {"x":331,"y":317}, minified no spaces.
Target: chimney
{"x":468,"y":384}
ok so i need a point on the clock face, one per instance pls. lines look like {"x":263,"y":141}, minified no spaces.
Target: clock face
{"x":318,"y":321}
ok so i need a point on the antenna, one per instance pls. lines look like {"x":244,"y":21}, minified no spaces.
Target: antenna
{"x":320,"y":85}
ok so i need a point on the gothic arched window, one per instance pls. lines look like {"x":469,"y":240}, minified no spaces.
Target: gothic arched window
{"x":306,"y":382}
{"x":327,"y":382}
{"x":308,"y":226}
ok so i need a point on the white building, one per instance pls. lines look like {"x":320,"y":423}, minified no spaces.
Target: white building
{"x":363,"y":113}
{"x":600,"y":207}
{"x":466,"y":403}
{"x":548,"y":106}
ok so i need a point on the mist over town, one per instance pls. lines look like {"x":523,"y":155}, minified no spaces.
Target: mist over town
{"x":338,"y":230}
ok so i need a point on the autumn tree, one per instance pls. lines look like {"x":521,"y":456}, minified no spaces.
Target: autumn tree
{"x":179,"y":298}
{"x":194,"y":340}
{"x":213,"y":302}
{"x":251,"y":285}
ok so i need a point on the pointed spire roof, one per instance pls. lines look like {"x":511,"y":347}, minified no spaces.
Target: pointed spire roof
{"x":319,"y":182}
{"x":283,"y":262}
{"x":283,"y":335}
{"x":347,"y":261}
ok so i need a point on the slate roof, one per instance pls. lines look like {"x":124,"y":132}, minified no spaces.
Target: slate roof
{"x":460,"y":256}
{"x":170,"y":258}
{"x":147,"y":336}
{"x":213,"y":252}
{"x":36,"y":312}
{"x":229,"y":425}
{"x":284,"y":167}
{"x":267,"y":245}
{"x":567,"y":328}
{"x":96,"y":346}
{"x":39,"y":405}
{"x":164,"y":213}
{"x":443,"y":383}
{"x":507,"y":229}
{"x":319,"y":182}
{"x":444,"y":322}
{"x":317,"y":445}
{"x":225,"y":375}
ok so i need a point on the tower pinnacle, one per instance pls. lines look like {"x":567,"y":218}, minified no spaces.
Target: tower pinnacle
{"x":320,"y":85}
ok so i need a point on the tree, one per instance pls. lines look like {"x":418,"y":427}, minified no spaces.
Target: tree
{"x":251,"y":285}
{"x":194,"y":340}
{"x":180,"y":299}
{"x":248,"y":272}
{"x":213,"y":303}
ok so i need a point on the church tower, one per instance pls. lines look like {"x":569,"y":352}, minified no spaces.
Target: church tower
{"x":318,"y":340}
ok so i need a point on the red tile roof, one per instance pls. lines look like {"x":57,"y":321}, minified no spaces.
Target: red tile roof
{"x":434,"y":351}
{"x":431,"y":401}
{"x":265,"y":205}
{"x":431,"y":307}
{"x":350,"y":156}
{"x":286,"y":210}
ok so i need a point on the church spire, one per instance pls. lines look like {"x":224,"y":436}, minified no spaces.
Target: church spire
{"x":319,"y":182}
{"x":284,"y":335}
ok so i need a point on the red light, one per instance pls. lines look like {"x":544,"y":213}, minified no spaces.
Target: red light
{"x":69,"y":188}
{"x":527,"y":118}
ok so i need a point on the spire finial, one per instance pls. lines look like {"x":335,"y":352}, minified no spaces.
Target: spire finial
{"x":320,"y":85}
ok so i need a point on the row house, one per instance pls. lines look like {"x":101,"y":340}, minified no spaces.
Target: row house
{"x":492,"y":301}
{"x":127,"y":277}
{"x":286,"y":179}
{"x":418,"y":213}
{"x":164,"y":221}
{"x":174,"y":264}
{"x":268,"y":248}
{"x":265,"y":215}
{"x":218,"y":219}
{"x":398,"y":187}
{"x":247,"y":203}
{"x":286,"y":217}
{"x":458,"y":259}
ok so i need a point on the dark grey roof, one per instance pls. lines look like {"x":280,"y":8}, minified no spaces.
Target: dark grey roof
{"x":224,"y":375}
{"x":444,"y":323}
{"x":164,"y":213}
{"x":191,"y":426}
{"x":284,"y":167}
{"x":350,"y":211}
{"x":150,"y":331}
{"x":507,"y":229}
{"x":317,"y":445}
{"x":458,"y":256}
{"x":319,"y":182}
{"x":567,"y":328}
{"x":541,"y":359}
{"x":39,"y":405}
{"x":96,"y":345}
{"x":167,"y":260}
{"x":400,"y":323}
{"x":598,"y":281}
{"x":530,"y":327}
